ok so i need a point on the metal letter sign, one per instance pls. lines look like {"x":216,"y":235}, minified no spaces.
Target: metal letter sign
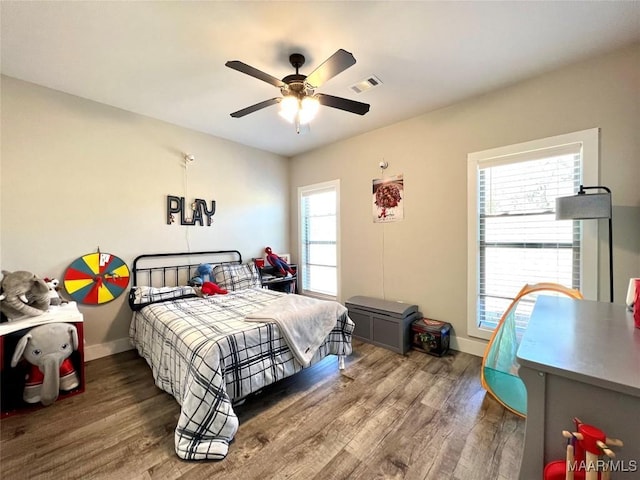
{"x":176,"y":205}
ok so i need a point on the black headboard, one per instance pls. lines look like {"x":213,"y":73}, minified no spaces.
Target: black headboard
{"x":173,"y":269}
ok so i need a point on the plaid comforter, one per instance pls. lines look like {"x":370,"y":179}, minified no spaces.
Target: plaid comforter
{"x":203,"y":353}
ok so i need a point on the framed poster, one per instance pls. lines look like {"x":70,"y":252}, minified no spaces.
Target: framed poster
{"x":387,"y":202}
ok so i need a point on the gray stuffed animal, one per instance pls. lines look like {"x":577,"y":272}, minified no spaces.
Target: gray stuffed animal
{"x":23,"y":294}
{"x":48,"y":348}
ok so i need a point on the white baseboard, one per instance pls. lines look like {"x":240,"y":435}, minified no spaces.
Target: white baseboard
{"x":92,"y":352}
{"x":466,"y":345}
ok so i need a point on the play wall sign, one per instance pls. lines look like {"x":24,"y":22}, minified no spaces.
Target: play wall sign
{"x":192,"y":214}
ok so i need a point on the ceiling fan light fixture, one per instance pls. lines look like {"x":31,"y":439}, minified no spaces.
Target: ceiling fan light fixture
{"x":289,"y":108}
{"x":303,"y":111}
{"x":308,"y":109}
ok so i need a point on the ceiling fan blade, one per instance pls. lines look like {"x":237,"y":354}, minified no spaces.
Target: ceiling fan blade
{"x":343,"y":104}
{"x":332,"y":66}
{"x":254,"y":72}
{"x":256,"y":107}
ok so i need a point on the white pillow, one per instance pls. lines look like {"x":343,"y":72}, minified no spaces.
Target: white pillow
{"x":236,"y":277}
{"x":142,"y":296}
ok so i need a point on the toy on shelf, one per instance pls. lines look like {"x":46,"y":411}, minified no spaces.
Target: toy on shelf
{"x":48,"y":348}
{"x":584,"y":449}
{"x":54,"y":291}
{"x":23,"y":294}
{"x":279,"y":263}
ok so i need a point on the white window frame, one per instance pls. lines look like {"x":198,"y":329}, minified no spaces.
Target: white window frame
{"x":305,"y":190}
{"x":589,"y":142}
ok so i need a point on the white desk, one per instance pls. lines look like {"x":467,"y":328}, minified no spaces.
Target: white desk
{"x":579,"y":359}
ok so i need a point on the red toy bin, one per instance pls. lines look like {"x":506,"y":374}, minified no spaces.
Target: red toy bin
{"x":430,"y":336}
{"x":12,"y":379}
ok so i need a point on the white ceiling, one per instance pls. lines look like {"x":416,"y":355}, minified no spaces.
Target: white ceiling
{"x":166,"y":59}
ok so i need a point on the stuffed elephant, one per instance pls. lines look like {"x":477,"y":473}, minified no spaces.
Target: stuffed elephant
{"x":23,"y":294}
{"x":47,"y":348}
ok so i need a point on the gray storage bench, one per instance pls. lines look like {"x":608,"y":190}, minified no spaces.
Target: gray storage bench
{"x":382,"y":322}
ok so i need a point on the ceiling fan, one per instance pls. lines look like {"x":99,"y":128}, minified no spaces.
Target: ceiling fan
{"x":299,"y":102}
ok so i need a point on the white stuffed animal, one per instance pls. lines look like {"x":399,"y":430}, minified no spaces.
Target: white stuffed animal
{"x":54,"y":296}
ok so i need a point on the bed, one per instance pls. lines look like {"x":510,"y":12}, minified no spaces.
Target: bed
{"x":211,"y":352}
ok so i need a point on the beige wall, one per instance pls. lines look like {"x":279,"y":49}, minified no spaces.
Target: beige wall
{"x":77,"y":175}
{"x":423,"y":259}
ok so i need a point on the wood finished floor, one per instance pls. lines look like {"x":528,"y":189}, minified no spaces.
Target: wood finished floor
{"x":386,"y":416}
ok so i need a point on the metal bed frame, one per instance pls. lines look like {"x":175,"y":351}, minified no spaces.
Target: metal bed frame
{"x":170,"y":269}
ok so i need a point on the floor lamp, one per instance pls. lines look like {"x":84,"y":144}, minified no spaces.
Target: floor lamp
{"x":584,"y":206}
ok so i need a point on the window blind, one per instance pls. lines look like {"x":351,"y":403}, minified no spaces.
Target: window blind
{"x":520,"y":242}
{"x":319,"y":241}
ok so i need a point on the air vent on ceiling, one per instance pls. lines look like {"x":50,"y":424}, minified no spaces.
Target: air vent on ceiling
{"x":366,"y":84}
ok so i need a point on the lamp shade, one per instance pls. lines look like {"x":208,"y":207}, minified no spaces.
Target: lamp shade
{"x":583,"y":206}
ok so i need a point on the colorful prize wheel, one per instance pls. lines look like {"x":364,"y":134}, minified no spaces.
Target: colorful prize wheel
{"x":96,"y":278}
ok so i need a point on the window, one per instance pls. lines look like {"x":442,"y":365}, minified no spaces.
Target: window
{"x":514,"y":238}
{"x":318,"y":217}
